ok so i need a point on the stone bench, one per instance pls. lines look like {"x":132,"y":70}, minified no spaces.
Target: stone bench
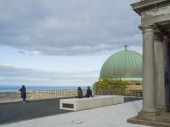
{"x":76,"y":104}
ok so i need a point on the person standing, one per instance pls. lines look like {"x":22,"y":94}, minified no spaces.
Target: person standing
{"x":79,"y":93}
{"x":89,"y":92}
{"x":23,"y":93}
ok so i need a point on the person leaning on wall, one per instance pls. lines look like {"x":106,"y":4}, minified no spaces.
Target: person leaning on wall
{"x":23,"y":93}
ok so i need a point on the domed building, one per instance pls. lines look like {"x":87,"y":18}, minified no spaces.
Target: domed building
{"x":125,"y":64}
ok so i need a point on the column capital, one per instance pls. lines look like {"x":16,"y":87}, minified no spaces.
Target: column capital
{"x":148,"y":28}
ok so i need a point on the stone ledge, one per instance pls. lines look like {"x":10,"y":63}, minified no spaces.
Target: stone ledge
{"x":134,"y":120}
{"x":77,"y":104}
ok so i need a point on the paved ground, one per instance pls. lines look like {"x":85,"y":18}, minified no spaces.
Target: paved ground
{"x":12,"y":112}
{"x":15,"y":112}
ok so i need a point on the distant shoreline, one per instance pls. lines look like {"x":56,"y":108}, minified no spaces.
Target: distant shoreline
{"x":11,"y":88}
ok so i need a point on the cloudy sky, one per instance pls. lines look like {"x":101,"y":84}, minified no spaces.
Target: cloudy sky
{"x":63,"y":42}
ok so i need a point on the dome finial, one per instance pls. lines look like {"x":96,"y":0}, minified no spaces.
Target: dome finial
{"x":125,"y":47}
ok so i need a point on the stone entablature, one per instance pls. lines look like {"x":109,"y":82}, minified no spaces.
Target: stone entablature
{"x":148,"y":5}
{"x":153,"y":12}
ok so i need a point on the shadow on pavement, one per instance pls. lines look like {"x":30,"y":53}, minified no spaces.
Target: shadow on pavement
{"x":129,"y":99}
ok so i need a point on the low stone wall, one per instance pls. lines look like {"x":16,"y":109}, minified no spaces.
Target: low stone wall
{"x":77,"y":104}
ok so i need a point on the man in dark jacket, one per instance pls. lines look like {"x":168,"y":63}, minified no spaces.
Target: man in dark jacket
{"x":23,"y":93}
{"x":89,"y":92}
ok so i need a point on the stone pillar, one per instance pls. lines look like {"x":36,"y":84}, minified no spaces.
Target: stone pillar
{"x":166,"y":42}
{"x":159,"y":72}
{"x":149,"y":97}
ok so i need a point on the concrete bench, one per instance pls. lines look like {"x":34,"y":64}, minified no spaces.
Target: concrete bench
{"x":76,"y":104}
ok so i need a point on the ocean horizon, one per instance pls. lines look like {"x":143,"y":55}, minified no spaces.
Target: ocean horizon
{"x":10,"y":88}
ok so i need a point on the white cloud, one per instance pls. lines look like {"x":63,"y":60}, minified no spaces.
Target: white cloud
{"x":63,"y":28}
{"x":14,"y":75}
{"x":74,"y":27}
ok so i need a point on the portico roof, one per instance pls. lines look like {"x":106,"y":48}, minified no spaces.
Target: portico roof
{"x":152,"y":14}
{"x":145,"y":5}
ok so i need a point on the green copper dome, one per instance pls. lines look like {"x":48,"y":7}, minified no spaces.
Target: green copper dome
{"x":125,"y":64}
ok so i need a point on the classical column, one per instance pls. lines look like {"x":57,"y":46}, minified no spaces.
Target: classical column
{"x":149,"y":97}
{"x":159,"y":72}
{"x":166,"y":44}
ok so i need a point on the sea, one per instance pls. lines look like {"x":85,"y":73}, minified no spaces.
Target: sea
{"x":11,"y":88}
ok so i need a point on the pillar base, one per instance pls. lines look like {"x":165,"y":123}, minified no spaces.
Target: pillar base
{"x":147,"y":115}
{"x":161,"y":120}
{"x":162,"y":109}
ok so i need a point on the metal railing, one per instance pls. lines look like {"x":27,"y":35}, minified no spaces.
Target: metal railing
{"x":37,"y":95}
{"x":135,"y":93}
{"x":52,"y":94}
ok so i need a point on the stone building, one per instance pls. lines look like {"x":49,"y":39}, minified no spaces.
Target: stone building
{"x":155,"y":24}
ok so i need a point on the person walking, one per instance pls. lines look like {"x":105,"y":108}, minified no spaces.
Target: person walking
{"x":23,"y":93}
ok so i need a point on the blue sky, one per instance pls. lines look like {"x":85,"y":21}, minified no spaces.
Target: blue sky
{"x":63,"y":42}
